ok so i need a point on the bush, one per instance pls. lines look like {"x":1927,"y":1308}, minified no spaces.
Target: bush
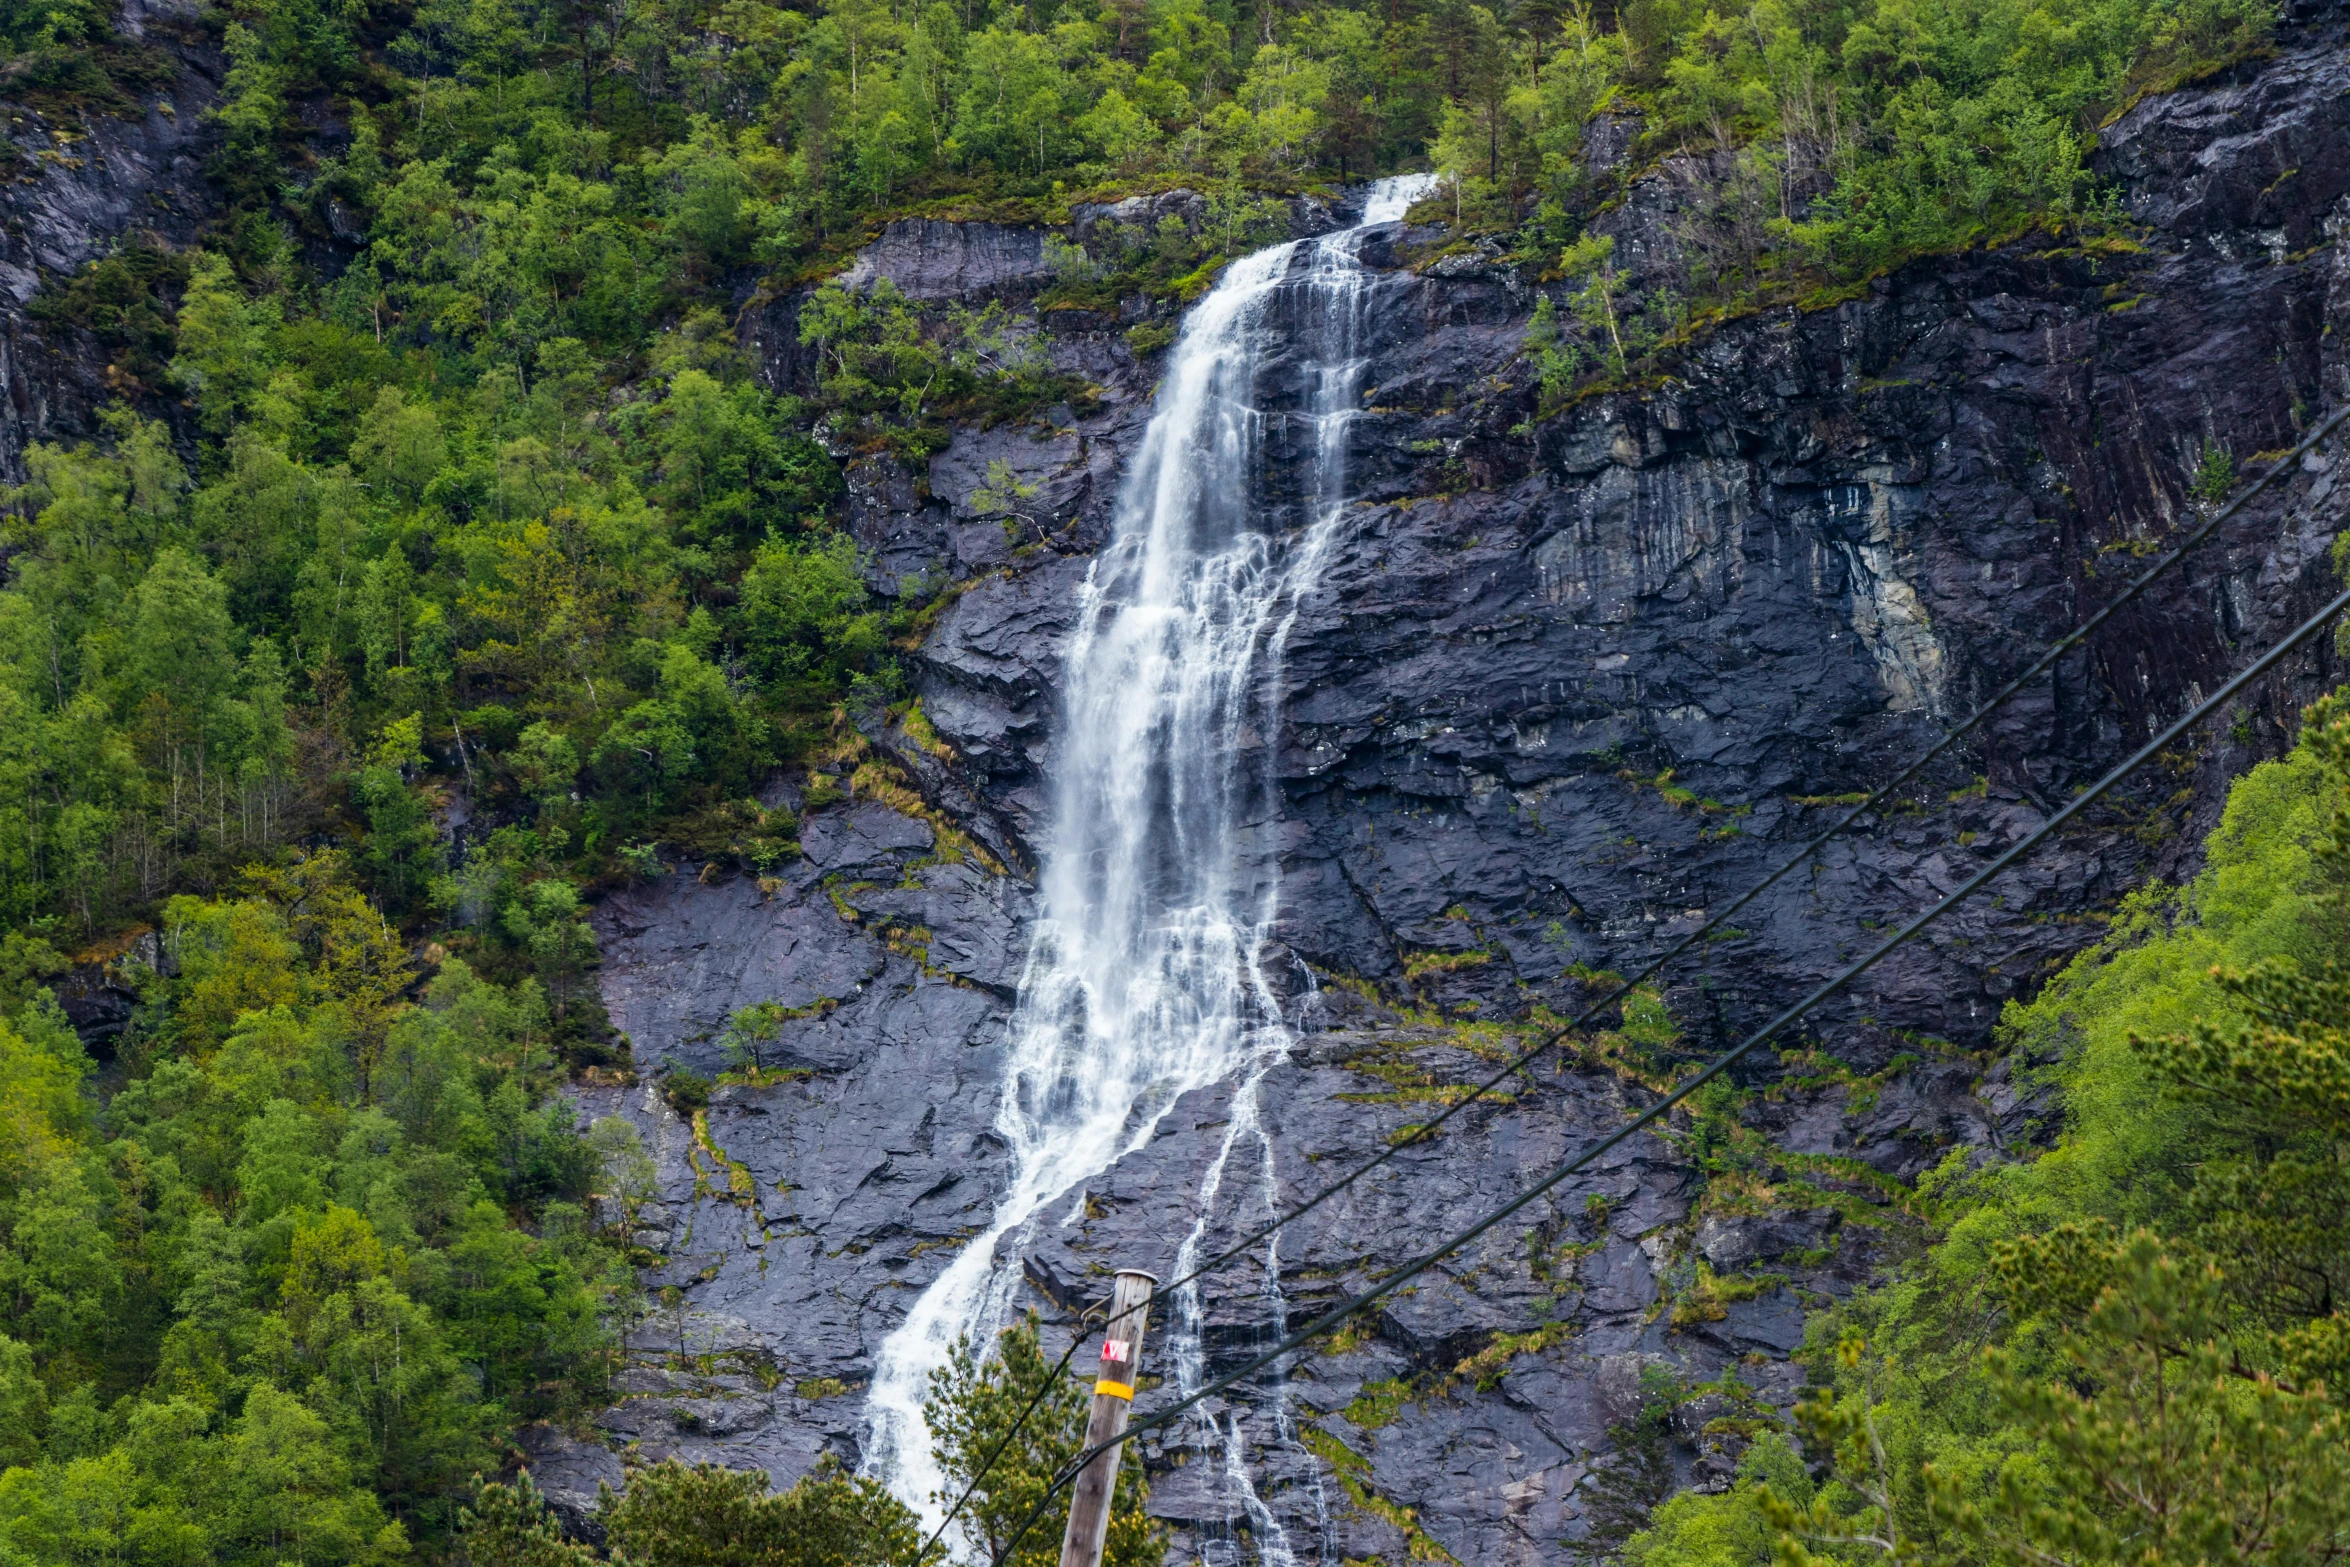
{"x":802,"y":614}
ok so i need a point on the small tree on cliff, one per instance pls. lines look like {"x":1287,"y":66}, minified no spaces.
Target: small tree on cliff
{"x":751,"y":1034}
{"x":975,"y":1404}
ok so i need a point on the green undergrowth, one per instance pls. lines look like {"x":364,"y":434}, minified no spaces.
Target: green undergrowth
{"x":1679,"y":798}
{"x":1410,"y":1083}
{"x":730,"y":1174}
{"x":1353,"y":1473}
{"x":1418,"y":963}
{"x":1483,"y":1369}
{"x":1710,"y":1295}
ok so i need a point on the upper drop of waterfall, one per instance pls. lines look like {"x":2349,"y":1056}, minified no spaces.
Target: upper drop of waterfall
{"x":1159,"y":887}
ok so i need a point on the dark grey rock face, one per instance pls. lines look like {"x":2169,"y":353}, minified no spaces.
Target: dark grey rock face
{"x":1563,"y":689}
{"x":570,"y":1473}
{"x":861,"y":1173}
{"x":932,"y":258}
{"x":78,"y":190}
{"x":1774,"y":580}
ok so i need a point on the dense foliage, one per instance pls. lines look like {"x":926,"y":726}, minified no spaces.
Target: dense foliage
{"x":273,"y":1304}
{"x":677,"y":1515}
{"x":470,"y":484}
{"x":1006,"y":1423}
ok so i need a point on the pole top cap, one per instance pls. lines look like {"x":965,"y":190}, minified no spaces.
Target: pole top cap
{"x":1138,"y":1273}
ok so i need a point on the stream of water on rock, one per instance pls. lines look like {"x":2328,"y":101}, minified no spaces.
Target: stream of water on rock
{"x":1145,"y":976}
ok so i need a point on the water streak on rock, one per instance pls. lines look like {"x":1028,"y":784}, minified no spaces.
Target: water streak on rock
{"x":1146,"y":972}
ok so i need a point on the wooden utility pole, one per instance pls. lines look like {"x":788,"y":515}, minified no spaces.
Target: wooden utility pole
{"x":1113,"y":1397}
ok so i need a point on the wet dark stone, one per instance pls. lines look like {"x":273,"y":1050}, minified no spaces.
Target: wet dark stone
{"x":569,"y":1472}
{"x":67,"y":204}
{"x":1776,"y":579}
{"x":934,"y":258}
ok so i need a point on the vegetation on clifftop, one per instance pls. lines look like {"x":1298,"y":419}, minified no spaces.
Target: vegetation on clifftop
{"x":467,"y":484}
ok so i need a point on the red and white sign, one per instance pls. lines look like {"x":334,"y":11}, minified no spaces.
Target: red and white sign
{"x":1112,"y":1349}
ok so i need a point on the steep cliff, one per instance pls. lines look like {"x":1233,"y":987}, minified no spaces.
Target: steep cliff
{"x":1564,"y":687}
{"x":83,"y":181}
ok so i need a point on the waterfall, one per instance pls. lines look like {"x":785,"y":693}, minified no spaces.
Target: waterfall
{"x":1144,"y":977}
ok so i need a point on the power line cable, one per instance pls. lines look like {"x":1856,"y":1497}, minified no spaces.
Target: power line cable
{"x":1338,"y":1314}
{"x":1625,"y":987}
{"x":1819,"y":841}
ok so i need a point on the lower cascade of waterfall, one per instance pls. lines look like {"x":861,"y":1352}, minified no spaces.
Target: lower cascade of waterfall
{"x":1145,"y":975}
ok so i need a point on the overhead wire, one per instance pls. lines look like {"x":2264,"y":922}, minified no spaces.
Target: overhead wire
{"x":1394,"y":1281}
{"x":1625,"y":986}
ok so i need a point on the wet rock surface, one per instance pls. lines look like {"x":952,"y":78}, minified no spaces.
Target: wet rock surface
{"x":1563,"y":689}
{"x":865,"y":1174}
{"x":862,"y":1167}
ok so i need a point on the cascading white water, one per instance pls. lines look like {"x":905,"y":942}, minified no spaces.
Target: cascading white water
{"x":1144,"y":977}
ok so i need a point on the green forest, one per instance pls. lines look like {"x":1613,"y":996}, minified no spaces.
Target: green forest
{"x":433,"y":470}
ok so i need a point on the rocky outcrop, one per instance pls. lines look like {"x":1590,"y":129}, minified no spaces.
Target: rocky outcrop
{"x":100,"y":994}
{"x":932,"y":258}
{"x":82,"y":184}
{"x":900,"y":966}
{"x":1565,"y":686}
{"x":860,"y":1178}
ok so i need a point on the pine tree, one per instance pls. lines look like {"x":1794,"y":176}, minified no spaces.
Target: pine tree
{"x":512,"y":1526}
{"x":975,"y":1409}
{"x":676,"y":1515}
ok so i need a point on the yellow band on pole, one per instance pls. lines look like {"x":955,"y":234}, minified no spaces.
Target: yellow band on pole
{"x":1114,"y":1389}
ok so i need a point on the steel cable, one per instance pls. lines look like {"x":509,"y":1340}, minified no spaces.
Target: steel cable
{"x":1338,"y":1314}
{"x":1625,"y":987}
